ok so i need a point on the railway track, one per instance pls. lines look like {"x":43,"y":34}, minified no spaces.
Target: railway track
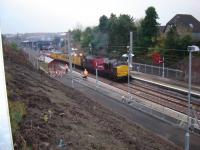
{"x":162,"y":98}
{"x":175,"y":101}
{"x":175,"y":96}
{"x":159,"y":97}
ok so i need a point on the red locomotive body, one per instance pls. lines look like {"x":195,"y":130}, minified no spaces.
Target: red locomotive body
{"x":92,"y":62}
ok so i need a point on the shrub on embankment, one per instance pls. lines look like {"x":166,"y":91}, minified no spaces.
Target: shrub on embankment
{"x":17,"y":111}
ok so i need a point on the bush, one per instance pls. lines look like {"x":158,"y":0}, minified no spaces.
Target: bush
{"x":14,"y":46}
{"x":17,"y":110}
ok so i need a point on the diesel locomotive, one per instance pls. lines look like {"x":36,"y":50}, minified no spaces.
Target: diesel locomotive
{"x":110,"y":68}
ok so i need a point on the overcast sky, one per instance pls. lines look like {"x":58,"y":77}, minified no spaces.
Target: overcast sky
{"x":20,"y":16}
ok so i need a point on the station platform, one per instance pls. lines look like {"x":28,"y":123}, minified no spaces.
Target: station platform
{"x":166,"y":82}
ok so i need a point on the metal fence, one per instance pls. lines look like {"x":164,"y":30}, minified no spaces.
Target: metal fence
{"x":156,"y":70}
{"x":175,"y":74}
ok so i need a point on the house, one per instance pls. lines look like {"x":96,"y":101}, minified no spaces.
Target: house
{"x":185,"y":24}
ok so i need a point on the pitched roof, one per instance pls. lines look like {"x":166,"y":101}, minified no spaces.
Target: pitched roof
{"x":187,"y":21}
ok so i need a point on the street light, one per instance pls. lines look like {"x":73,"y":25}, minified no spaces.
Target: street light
{"x":163,"y":73}
{"x":129,"y":55}
{"x":191,"y":49}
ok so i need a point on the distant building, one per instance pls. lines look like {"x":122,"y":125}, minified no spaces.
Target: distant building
{"x":185,"y":24}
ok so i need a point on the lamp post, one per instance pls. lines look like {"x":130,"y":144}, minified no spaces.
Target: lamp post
{"x":163,"y":66}
{"x":163,"y":73}
{"x":70,"y":59}
{"x":129,"y":55}
{"x":191,"y":49}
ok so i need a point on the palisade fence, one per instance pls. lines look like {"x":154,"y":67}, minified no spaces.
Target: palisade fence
{"x":168,"y":72}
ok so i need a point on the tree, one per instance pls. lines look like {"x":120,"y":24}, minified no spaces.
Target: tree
{"x":103,"y":23}
{"x":184,"y":42}
{"x":138,"y":22}
{"x":119,"y":29}
{"x":76,"y":34}
{"x":149,"y":28}
{"x":125,"y":25}
{"x":176,"y":46}
{"x":175,"y":41}
{"x":86,"y":37}
{"x":171,"y":38}
{"x":112,"y":29}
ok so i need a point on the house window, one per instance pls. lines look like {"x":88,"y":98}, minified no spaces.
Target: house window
{"x":191,"y":25}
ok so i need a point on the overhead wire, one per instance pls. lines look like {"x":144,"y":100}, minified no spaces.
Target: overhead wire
{"x":138,"y":47}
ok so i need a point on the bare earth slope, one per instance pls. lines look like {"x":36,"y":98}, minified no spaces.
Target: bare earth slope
{"x":56,"y":113}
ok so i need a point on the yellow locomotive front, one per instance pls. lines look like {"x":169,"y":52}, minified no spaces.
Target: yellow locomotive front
{"x":118,"y":69}
{"x":121,"y":71}
{"x":77,"y":59}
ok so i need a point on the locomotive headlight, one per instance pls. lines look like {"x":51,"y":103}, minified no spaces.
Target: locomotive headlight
{"x":124,"y":55}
